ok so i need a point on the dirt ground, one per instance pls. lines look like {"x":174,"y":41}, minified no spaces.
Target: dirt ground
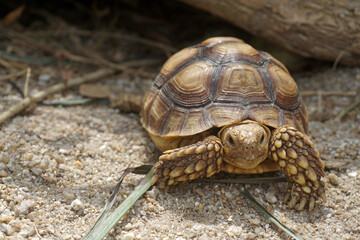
{"x":59,"y":164}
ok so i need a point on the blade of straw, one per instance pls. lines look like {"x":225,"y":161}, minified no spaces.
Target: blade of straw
{"x":269,"y":216}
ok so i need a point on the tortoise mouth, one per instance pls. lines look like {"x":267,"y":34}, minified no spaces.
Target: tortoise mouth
{"x":249,"y":163}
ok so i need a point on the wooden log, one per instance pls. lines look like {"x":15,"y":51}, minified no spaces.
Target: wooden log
{"x":322,"y":29}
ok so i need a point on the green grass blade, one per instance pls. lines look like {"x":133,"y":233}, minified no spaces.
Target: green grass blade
{"x":269,"y":216}
{"x":109,"y":203}
{"x":103,"y":226}
{"x":244,"y":180}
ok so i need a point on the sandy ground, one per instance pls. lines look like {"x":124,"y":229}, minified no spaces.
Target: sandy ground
{"x":58,"y":165}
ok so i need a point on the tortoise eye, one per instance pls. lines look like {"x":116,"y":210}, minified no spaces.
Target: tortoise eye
{"x":231,"y":141}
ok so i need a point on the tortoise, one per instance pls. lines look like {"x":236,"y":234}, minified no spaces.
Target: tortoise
{"x":221,"y":105}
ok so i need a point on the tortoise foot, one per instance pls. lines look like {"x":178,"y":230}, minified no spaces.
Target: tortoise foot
{"x":295,"y":195}
{"x":295,"y":154}
{"x":202,"y":159}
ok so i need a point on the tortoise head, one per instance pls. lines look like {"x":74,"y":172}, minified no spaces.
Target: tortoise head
{"x":245,"y":144}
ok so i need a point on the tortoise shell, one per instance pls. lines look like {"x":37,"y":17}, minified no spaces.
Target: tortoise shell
{"x":219,"y":82}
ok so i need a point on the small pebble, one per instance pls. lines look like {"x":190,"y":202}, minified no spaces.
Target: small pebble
{"x":347,"y":236}
{"x":68,"y":195}
{"x":44,"y":77}
{"x":251,"y":236}
{"x":153,"y":193}
{"x":197,"y":227}
{"x":259,"y":230}
{"x":77,"y":205}
{"x":333,"y":179}
{"x":9,"y":229}
{"x":128,"y":227}
{"x":5,"y":218}
{"x":27,"y":230}
{"x":37,"y":171}
{"x":228,"y":195}
{"x":234,"y":231}
{"x":201,"y":207}
{"x":63,"y":151}
{"x":199,"y":191}
{"x":222,"y":212}
{"x":25,"y":207}
{"x":151,"y":207}
{"x":3,"y":173}
{"x":77,"y":164}
{"x":254,"y":221}
{"x":338,"y":212}
{"x":270,"y":197}
{"x":352,"y":174}
{"x":129,"y":236}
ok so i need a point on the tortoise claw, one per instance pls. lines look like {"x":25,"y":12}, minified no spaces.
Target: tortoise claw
{"x":287,"y":196}
{"x":302,"y":204}
{"x":311,"y":203}
{"x":293,"y":201}
{"x":321,"y":193}
{"x":154,"y":179}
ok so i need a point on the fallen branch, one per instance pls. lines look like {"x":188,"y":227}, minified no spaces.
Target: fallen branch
{"x":41,"y":95}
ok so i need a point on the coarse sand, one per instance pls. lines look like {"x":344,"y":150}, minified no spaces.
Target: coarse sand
{"x":58,"y":166}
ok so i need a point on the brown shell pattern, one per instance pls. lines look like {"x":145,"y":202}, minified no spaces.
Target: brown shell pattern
{"x":219,"y":82}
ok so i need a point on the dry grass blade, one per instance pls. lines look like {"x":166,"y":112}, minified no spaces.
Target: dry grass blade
{"x":347,"y":110}
{"x":106,"y":223}
{"x":269,"y":216}
{"x":13,"y":75}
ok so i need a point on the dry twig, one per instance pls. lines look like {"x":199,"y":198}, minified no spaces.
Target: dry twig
{"x":41,"y":95}
{"x":27,"y":80}
{"x":13,"y":75}
{"x":5,"y":64}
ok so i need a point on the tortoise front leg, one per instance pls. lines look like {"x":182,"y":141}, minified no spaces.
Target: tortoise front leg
{"x":295,"y":154}
{"x":202,"y":159}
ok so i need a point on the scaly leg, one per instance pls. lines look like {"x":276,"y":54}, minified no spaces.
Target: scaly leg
{"x":295,"y":154}
{"x":202,"y":159}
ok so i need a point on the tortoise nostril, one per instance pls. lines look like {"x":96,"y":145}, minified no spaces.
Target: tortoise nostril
{"x":231,"y":141}
{"x":262,"y":139}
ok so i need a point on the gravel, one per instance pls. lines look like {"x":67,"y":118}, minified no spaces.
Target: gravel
{"x":58,"y":165}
